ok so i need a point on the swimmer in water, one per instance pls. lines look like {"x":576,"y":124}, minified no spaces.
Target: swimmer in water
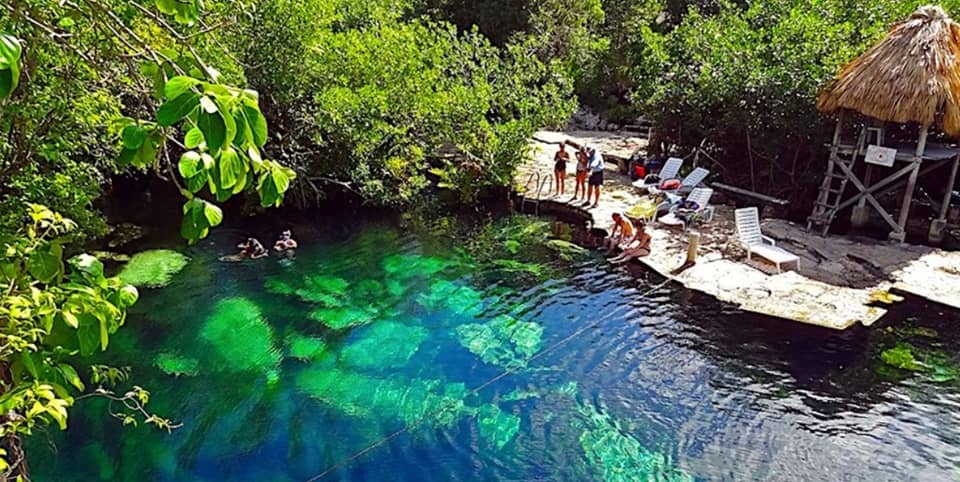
{"x":251,"y":248}
{"x":285,"y":242}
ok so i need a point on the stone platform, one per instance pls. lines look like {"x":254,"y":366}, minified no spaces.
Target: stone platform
{"x":841,"y":281}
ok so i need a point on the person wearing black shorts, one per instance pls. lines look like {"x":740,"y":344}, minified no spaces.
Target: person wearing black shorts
{"x":596,"y":177}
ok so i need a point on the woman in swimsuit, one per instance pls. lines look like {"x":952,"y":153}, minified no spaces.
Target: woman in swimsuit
{"x":581,"y":179}
{"x":637,"y":249}
{"x":560,"y":168}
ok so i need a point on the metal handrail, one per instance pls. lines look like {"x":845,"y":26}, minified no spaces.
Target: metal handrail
{"x":526,"y":186}
{"x":543,"y":183}
{"x":526,"y":190}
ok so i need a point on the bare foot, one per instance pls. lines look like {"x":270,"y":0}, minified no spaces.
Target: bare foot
{"x":595,"y":205}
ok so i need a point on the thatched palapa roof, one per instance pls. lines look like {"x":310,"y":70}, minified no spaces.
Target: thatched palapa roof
{"x":911,"y":76}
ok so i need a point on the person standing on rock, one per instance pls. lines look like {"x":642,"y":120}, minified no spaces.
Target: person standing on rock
{"x":581,"y":179}
{"x":560,"y":160}
{"x":595,"y":165}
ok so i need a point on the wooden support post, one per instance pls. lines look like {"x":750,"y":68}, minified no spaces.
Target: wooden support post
{"x":938,"y":226}
{"x":860,"y":214}
{"x":901,"y":233}
{"x":951,"y":179}
{"x":693,"y":246}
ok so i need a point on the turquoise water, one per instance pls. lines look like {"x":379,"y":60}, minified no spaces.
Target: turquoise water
{"x":492,"y":352}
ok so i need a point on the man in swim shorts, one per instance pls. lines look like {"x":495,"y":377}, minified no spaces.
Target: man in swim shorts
{"x":595,"y":165}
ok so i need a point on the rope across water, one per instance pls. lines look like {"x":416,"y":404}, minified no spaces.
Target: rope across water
{"x":474,"y":391}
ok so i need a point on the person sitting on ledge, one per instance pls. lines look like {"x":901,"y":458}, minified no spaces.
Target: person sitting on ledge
{"x":639,"y":248}
{"x":621,"y":235}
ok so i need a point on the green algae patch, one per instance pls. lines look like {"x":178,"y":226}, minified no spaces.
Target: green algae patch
{"x":917,"y":331}
{"x":241,"y":337}
{"x":938,"y":367}
{"x":154,"y":268}
{"x":901,"y":356}
{"x":505,"y":341}
{"x":177,"y":365}
{"x":497,"y":426}
{"x":620,"y":457}
{"x":447,"y":295}
{"x":387,"y":344}
{"x":566,"y":250}
{"x":885,"y":297}
{"x":305,"y":347}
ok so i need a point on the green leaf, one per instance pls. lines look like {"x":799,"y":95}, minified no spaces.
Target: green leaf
{"x":89,"y":265}
{"x":70,"y":319}
{"x":128,"y":296}
{"x":195,"y":225}
{"x":10,"y":51}
{"x":28,"y":364}
{"x":229,"y":123}
{"x":146,"y":155}
{"x":212,"y":213}
{"x":257,"y":123}
{"x":133,"y":136}
{"x":88,"y":335}
{"x":232,"y":168}
{"x":126,"y":156}
{"x":173,"y":110}
{"x":190,"y":164}
{"x":208,"y":105}
{"x":193,"y":139}
{"x":177,"y":86}
{"x":70,"y":375}
{"x":198,"y":217}
{"x":214,"y":129}
{"x":168,"y":7}
{"x":44,"y":265}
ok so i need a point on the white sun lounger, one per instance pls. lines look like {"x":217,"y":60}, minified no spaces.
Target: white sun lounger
{"x":753,"y":240}
{"x":705,"y":211}
{"x":695,"y":177}
{"x":670,"y":170}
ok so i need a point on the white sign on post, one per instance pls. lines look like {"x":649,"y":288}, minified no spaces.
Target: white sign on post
{"x":880,"y":156}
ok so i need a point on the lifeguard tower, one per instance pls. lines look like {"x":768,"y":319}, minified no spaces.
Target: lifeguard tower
{"x":910,"y":82}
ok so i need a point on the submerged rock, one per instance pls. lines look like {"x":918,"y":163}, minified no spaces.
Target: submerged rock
{"x":505,"y":341}
{"x":620,"y":457}
{"x":241,"y":338}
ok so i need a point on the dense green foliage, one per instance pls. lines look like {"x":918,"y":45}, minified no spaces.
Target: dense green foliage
{"x":386,"y":105}
{"x":120,"y":80}
{"x":740,"y":78}
{"x":54,"y":313}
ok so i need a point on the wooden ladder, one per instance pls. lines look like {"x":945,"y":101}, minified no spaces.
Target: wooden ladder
{"x":832,"y":188}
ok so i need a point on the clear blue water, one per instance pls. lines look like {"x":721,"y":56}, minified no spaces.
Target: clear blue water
{"x":663,"y":384}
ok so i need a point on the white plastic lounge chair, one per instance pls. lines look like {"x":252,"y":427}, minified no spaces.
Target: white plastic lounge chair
{"x":705,"y":211}
{"x":695,"y":177}
{"x":748,"y":230}
{"x":692,"y":180}
{"x":670,"y":170}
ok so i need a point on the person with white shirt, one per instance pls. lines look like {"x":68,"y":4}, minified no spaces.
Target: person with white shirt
{"x":595,"y":165}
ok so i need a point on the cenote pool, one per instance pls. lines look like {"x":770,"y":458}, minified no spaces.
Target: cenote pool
{"x":285,"y":371}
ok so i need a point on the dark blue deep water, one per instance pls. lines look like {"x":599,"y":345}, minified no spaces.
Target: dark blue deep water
{"x":481,"y":352}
